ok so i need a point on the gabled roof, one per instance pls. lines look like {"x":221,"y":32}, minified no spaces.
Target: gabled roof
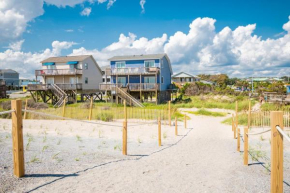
{"x":8,"y":71}
{"x":137,"y":57}
{"x":142,"y":57}
{"x":190,"y":75}
{"x":65,"y":59}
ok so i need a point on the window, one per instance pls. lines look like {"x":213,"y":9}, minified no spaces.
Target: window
{"x":120,"y":64}
{"x":149,"y":79}
{"x":86,"y":66}
{"x":161,"y":63}
{"x":86,"y":80}
{"x":149,"y":63}
{"x":162,"y":80}
{"x":122,"y":81}
{"x":103,"y":80}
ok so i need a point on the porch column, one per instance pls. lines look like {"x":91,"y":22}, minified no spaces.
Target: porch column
{"x":156,"y":87}
{"x":140,"y":88}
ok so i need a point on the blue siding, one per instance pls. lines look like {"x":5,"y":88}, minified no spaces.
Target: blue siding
{"x":166,"y":74}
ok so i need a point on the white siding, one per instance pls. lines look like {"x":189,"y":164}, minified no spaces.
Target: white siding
{"x":92,"y":73}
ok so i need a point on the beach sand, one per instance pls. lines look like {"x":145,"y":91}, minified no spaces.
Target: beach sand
{"x":69,"y":156}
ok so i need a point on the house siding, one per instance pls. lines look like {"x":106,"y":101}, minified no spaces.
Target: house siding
{"x":166,"y":74}
{"x":93,"y":73}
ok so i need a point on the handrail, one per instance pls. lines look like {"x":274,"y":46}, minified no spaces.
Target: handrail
{"x":282,"y":132}
{"x":128,"y":96}
{"x":6,"y":112}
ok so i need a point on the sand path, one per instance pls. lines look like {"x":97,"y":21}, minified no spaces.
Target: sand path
{"x":205,"y":160}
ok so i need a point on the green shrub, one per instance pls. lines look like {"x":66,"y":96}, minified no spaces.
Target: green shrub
{"x":105,"y":116}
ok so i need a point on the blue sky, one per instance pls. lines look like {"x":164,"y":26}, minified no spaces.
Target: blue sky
{"x":103,"y":26}
{"x":240,"y":38}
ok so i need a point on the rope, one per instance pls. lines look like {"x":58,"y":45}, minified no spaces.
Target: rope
{"x":6,"y":112}
{"x":259,"y":132}
{"x":66,"y":118}
{"x":71,"y":119}
{"x":283,"y":133}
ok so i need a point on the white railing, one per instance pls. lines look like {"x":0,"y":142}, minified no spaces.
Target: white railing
{"x":132,"y":70}
{"x":57,"y":72}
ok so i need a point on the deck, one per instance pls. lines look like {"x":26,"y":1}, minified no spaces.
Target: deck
{"x":132,"y":86}
{"x":44,"y":87}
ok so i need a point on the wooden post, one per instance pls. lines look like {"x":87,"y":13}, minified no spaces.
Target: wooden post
{"x":91,"y":108}
{"x":249,"y":115}
{"x":124,"y":138}
{"x":176,"y":131}
{"x":169,"y":113}
{"x":125,"y":111}
{"x":159,"y":131}
{"x":233,"y":122}
{"x":185,"y":126}
{"x":276,"y":152}
{"x":63,"y":109}
{"x":236,"y":120}
{"x":26,"y":102}
{"x":234,"y":127}
{"x":246,"y":146}
{"x":238,"y":141}
{"x":17,"y":137}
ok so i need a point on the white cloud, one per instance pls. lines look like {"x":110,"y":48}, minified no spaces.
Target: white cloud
{"x":16,"y":46}
{"x":203,"y":49}
{"x":86,"y":12}
{"x":142,"y":3}
{"x":16,"y":14}
{"x":26,"y":62}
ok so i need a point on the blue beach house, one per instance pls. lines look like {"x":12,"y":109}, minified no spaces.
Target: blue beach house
{"x":139,"y":78}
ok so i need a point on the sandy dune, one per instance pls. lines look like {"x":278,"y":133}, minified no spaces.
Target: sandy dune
{"x":202,"y":158}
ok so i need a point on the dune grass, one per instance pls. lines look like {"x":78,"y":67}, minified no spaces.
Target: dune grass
{"x":207,"y":113}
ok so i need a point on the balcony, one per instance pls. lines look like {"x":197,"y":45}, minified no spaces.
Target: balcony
{"x":132,"y":71}
{"x":36,"y":87}
{"x":133,"y":86}
{"x":55,"y":72}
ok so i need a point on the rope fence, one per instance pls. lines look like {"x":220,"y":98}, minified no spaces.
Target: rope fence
{"x":276,"y":120}
{"x":6,"y":112}
{"x":17,"y":130}
{"x":283,"y":133}
{"x":259,"y":133}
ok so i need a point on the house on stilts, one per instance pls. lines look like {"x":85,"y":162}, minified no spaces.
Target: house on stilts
{"x":64,"y":78}
{"x":138,"y":78}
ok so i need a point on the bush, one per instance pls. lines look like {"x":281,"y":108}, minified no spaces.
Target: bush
{"x":105,"y":116}
{"x":87,"y":105}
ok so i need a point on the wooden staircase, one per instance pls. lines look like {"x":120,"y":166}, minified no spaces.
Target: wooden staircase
{"x":130,"y":100}
{"x":60,"y":94}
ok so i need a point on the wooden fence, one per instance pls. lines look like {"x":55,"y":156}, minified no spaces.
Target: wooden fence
{"x":262,"y":119}
{"x":17,"y":130}
{"x":277,"y":120}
